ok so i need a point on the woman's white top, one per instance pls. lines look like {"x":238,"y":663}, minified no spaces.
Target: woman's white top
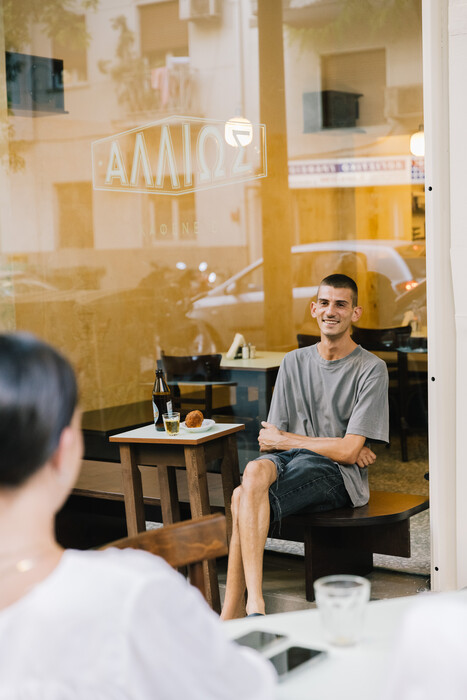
{"x":120,"y":624}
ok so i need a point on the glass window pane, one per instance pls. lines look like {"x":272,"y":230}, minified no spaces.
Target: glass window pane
{"x":176,"y":172}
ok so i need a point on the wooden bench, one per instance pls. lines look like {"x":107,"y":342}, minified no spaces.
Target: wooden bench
{"x":343,"y":541}
{"x":94,"y":514}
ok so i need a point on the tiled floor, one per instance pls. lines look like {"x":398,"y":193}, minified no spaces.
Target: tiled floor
{"x":284,"y":583}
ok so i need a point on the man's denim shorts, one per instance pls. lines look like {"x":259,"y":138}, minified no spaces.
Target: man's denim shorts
{"x":305,"y":481}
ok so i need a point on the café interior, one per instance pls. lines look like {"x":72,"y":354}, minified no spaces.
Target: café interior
{"x":177,"y":178}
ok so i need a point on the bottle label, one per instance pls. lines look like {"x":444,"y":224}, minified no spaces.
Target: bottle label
{"x":166,"y":409}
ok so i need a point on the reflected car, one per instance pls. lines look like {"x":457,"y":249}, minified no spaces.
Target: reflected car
{"x":237,"y":305}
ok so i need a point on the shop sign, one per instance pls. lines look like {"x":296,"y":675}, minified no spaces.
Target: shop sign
{"x":177,"y":155}
{"x":356,"y":172}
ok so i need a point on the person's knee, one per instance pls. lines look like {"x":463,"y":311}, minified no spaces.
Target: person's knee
{"x":258,"y":475}
{"x":235,"y":501}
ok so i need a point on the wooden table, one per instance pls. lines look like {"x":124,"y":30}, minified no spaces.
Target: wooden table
{"x":190,"y":451}
{"x":260,"y":372}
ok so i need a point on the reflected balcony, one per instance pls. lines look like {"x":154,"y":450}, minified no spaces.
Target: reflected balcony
{"x":152,"y":94}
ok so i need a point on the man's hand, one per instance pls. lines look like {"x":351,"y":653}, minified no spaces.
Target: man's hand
{"x":269,"y":437}
{"x":365,"y":458}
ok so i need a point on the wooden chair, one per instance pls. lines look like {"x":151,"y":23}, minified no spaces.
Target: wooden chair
{"x":188,"y":543}
{"x":384,"y":342}
{"x":381,"y":339}
{"x":195,"y":371}
{"x":304,"y":340}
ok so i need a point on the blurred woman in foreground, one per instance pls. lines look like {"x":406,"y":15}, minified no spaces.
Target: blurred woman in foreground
{"x":93,"y":624}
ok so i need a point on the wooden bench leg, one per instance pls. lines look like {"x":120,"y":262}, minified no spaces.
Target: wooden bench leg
{"x":392,"y":539}
{"x":349,"y":550}
{"x":323,"y":559}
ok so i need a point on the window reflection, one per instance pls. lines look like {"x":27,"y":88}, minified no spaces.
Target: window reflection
{"x":96,"y":271}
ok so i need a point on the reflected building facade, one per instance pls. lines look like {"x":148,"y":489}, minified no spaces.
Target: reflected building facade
{"x":130,"y":225}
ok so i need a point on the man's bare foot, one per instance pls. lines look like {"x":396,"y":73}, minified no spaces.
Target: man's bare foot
{"x":257,"y":607}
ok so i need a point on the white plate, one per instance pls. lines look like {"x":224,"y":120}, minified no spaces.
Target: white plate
{"x":206,"y":425}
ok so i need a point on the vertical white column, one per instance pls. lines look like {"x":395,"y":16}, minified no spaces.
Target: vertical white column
{"x":457,"y":33}
{"x":441,"y":326}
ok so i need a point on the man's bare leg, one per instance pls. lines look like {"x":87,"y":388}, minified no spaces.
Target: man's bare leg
{"x":251,"y":520}
{"x":234,"y":600}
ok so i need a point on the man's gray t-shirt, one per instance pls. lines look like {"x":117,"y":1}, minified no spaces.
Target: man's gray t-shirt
{"x":330,"y":398}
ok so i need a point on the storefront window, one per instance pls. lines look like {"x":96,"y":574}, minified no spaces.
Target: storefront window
{"x":130,"y":226}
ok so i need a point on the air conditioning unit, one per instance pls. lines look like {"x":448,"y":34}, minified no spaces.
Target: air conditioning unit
{"x":330,"y":109}
{"x":196,"y":10}
{"x":403,"y":102}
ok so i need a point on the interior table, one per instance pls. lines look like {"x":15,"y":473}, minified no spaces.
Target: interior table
{"x":259,"y":372}
{"x":99,"y":424}
{"x":191,"y":451}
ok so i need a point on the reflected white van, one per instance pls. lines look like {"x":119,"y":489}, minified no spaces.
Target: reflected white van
{"x":237,"y":305}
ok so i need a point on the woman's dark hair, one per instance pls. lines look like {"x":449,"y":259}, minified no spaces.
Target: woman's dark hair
{"x":38,"y":396}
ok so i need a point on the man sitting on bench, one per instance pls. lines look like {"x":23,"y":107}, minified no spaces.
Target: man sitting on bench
{"x":329,"y":399}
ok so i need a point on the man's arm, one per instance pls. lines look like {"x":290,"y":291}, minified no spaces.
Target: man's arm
{"x":347,"y":450}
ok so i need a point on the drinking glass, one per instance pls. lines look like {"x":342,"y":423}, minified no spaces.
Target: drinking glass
{"x":341,"y":601}
{"x":171,"y":423}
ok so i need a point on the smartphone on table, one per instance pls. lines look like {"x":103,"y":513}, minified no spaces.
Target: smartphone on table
{"x":294,"y":657}
{"x":259,"y":640}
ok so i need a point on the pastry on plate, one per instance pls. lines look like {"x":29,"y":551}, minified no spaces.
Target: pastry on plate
{"x":194,"y":419}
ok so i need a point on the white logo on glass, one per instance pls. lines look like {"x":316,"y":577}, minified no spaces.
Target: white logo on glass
{"x":179,"y":155}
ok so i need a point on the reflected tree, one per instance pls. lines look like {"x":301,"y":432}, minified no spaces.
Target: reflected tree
{"x":130,"y":71}
{"x":59,"y":18}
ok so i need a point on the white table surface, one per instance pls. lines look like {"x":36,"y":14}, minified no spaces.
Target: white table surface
{"x":352,"y":673}
{"x":149,"y":434}
{"x":264,"y":360}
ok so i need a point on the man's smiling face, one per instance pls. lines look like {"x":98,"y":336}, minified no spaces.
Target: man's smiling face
{"x":334,"y":311}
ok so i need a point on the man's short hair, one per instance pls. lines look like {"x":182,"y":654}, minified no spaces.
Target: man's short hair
{"x":339,"y":281}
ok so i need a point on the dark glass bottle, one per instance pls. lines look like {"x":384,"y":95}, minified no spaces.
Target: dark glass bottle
{"x":161,"y":399}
